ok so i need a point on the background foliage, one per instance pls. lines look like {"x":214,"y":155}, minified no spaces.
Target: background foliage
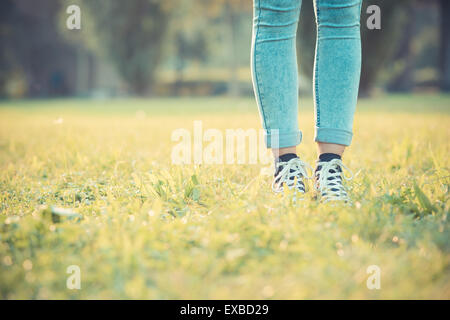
{"x":141,"y":227}
{"x":178,"y":47}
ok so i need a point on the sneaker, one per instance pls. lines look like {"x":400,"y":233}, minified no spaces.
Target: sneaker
{"x":329,"y":181}
{"x":292,"y":174}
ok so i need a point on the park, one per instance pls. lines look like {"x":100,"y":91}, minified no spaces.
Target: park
{"x":155,"y":230}
{"x":133,"y":162}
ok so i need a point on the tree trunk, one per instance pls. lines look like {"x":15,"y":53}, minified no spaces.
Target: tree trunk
{"x":404,"y":81}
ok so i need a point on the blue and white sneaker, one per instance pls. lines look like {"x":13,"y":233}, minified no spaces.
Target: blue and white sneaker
{"x":292,"y":173}
{"x":329,"y":181}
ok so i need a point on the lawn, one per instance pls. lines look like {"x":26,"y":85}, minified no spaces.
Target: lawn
{"x":91,"y":184}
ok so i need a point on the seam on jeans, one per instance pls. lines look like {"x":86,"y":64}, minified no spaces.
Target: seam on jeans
{"x":336,"y":129}
{"x":259,"y":95}
{"x":278,"y":9}
{"x":280,"y":25}
{"x":316,"y":81}
{"x":339,"y":38}
{"x":340,"y":26}
{"x":342,"y":6}
{"x":278,"y":39}
{"x":345,"y":139}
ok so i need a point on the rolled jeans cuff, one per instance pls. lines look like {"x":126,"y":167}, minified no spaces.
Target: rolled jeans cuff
{"x":277,"y":140}
{"x":336,"y":136}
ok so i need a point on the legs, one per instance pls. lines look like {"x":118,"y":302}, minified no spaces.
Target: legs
{"x":274,"y":70}
{"x":336,"y":72}
{"x":337,"y":69}
{"x":330,"y":148}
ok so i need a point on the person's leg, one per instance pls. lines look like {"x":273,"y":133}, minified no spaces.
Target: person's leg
{"x":330,"y":148}
{"x":336,"y":83}
{"x":336,"y":72}
{"x":275,"y":81}
{"x":274,"y":71}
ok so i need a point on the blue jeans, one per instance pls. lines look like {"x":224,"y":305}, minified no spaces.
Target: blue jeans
{"x":337,"y":69}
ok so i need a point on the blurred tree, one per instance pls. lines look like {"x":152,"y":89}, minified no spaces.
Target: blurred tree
{"x":34,"y":58}
{"x":445,"y":45}
{"x":306,"y":39}
{"x":379,"y":46}
{"x":231,"y":11}
{"x":188,"y":47}
{"x":404,"y":58}
{"x":8,"y":60}
{"x":130,"y":34}
{"x":188,"y":39}
{"x":415,"y":63}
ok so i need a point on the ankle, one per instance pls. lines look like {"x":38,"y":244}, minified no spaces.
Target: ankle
{"x":282,"y":151}
{"x":286,"y":157}
{"x":331,"y":148}
{"x":326,"y":157}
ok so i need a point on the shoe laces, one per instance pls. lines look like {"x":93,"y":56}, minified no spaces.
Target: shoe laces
{"x":329,"y":180}
{"x":293,"y":170}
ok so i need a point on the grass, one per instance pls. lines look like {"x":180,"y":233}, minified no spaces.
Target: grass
{"x":154,"y":230}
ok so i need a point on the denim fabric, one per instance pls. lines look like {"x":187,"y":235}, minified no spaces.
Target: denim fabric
{"x":336,"y":70}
